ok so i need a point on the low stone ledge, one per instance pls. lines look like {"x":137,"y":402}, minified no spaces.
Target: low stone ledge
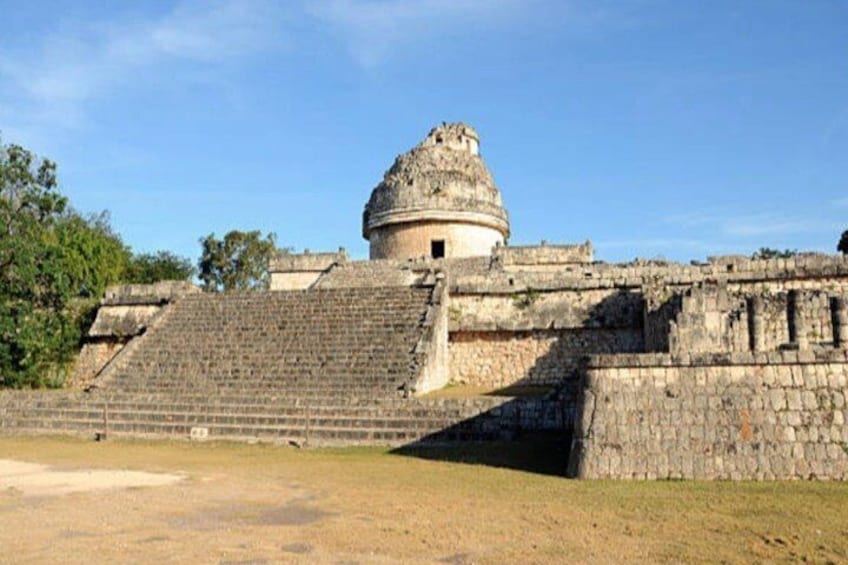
{"x":544,"y":254}
{"x":306,"y":261}
{"x":140,"y":294}
{"x":600,"y":275}
{"x":789,"y":357}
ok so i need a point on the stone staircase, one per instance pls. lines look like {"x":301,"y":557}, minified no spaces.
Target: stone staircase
{"x":335,"y":343}
{"x":281,"y":420}
{"x":318,"y":367}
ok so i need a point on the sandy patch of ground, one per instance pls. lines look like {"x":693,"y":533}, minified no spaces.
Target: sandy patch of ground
{"x":33,"y":479}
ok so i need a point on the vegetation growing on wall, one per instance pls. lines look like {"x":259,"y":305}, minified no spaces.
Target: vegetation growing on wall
{"x":526,"y":299}
{"x":769,"y":253}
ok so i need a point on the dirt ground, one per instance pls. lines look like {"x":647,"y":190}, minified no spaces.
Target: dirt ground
{"x":237,"y":503}
{"x":32,"y":479}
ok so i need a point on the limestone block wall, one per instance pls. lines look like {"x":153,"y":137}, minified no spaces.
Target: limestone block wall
{"x":156,"y":293}
{"x":814,"y":316}
{"x":811,"y":271}
{"x":542,"y":257}
{"x":298,"y":271}
{"x":784,"y":283}
{"x":710,"y":320}
{"x":498,"y":359}
{"x":770,"y":312}
{"x":662,"y":306}
{"x":413,"y":239}
{"x":561,"y":309}
{"x":776,"y":415}
{"x":709,"y":317}
{"x":122,"y":321}
{"x":293,"y":281}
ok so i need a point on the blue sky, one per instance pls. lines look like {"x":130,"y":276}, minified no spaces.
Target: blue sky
{"x":673,"y":129}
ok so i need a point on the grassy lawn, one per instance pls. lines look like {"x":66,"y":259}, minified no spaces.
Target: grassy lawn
{"x":474,"y":504}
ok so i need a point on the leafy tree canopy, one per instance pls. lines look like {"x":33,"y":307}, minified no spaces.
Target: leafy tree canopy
{"x":35,"y":331}
{"x":149,"y":268}
{"x":94,"y":255}
{"x":769,"y":253}
{"x":842,"y":246}
{"x":238,"y":262}
{"x":55,"y":263}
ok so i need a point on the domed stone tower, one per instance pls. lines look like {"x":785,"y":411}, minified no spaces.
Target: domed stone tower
{"x":437,"y":200}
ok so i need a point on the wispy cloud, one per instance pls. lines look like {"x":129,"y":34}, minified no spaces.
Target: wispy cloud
{"x":51,"y":82}
{"x":374,"y":30}
{"x":658,"y":243}
{"x":841,"y":202}
{"x":766,"y":224}
{"x":749,"y":225}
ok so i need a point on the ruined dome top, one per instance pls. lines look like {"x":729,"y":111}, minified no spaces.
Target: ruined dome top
{"x":443,"y":178}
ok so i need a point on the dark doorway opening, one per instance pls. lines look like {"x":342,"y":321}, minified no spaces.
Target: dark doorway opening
{"x":437,"y":248}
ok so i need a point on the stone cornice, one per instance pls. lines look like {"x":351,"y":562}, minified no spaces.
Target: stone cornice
{"x":412,"y":215}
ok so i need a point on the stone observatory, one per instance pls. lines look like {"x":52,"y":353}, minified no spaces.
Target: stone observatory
{"x":437,"y":200}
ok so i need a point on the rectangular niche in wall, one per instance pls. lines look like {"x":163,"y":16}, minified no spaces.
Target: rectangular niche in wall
{"x":437,"y":248}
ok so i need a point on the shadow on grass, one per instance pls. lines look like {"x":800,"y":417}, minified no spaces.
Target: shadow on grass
{"x":542,"y":452}
{"x":523,"y":391}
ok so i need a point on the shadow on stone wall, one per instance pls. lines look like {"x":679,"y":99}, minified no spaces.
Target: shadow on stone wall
{"x":531,"y":432}
{"x":522,"y":434}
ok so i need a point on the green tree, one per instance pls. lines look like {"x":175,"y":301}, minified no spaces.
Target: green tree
{"x":238,"y":262}
{"x":843,"y":243}
{"x":94,"y":255}
{"x":769,"y":253}
{"x":37,"y":334}
{"x":149,"y":268}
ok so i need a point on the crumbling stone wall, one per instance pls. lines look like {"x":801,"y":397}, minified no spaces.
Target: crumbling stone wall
{"x":713,"y":319}
{"x":777,"y":415}
{"x":710,"y":320}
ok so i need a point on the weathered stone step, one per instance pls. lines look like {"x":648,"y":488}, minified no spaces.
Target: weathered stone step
{"x":346,"y":418}
{"x":356,"y":339}
{"x":247,"y":403}
{"x":316,"y":434}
